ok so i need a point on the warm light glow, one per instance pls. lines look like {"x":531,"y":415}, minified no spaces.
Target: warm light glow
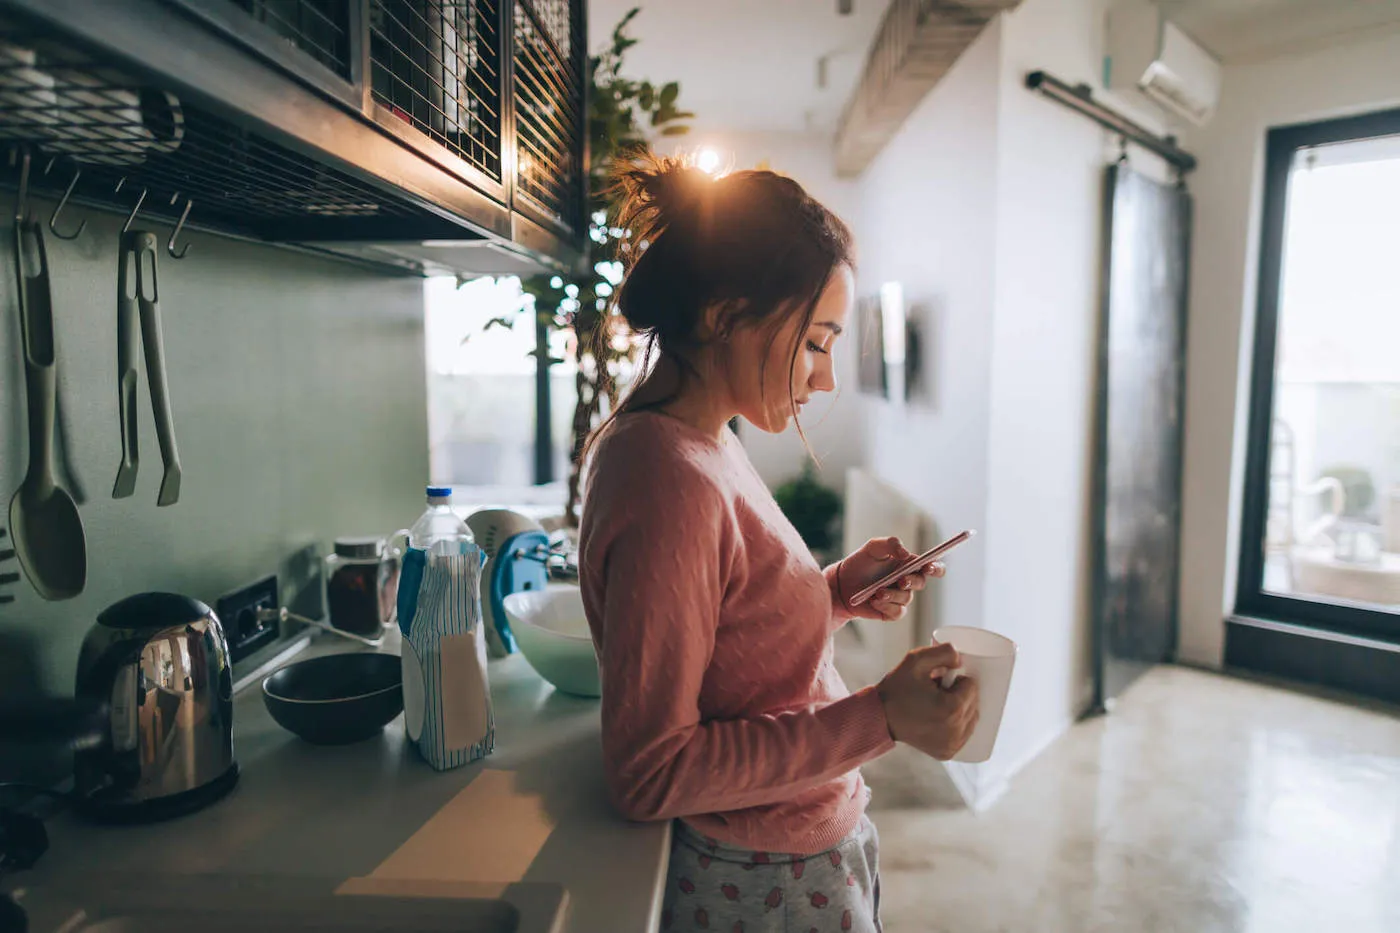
{"x":708,"y":161}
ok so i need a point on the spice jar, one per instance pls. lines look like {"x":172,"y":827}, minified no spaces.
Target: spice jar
{"x":362,"y":584}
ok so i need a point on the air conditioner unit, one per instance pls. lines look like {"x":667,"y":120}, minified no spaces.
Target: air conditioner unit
{"x":1149,"y":55}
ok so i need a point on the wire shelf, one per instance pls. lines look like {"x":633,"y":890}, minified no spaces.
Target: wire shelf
{"x":555,"y":18}
{"x":437,"y":65}
{"x":320,"y":28}
{"x":548,"y":104}
{"x":119,"y":140}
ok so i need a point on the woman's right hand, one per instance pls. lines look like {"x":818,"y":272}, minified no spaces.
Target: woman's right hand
{"x":920,"y":712}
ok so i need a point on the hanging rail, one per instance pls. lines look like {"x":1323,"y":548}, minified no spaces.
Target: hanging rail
{"x":1081,"y":99}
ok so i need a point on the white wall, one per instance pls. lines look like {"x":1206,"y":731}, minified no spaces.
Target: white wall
{"x":988,"y":206}
{"x":928,"y":220}
{"x":1345,"y":79}
{"x":1050,"y":165}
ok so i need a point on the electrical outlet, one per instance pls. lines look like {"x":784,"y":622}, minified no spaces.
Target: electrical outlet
{"x":238,"y":611}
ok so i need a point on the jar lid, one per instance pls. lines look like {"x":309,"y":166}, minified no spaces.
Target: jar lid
{"x":366,"y":548}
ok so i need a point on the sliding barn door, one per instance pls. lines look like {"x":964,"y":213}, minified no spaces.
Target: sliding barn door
{"x":1139,"y":441}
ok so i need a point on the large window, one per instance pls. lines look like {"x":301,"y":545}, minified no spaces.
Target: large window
{"x":482,"y":389}
{"x":1322,"y":509}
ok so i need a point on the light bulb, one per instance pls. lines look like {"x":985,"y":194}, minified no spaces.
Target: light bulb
{"x":707,"y":160}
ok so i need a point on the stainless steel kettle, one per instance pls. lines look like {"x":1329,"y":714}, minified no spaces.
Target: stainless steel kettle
{"x":160,"y":664}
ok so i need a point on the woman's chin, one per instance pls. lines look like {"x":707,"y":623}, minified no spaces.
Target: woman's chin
{"x":776,"y":423}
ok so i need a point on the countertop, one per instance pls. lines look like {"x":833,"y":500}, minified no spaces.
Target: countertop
{"x":534,"y":811}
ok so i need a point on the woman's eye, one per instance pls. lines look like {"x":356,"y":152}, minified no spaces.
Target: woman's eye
{"x":815,"y":347}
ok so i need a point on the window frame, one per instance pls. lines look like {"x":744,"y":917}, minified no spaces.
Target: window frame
{"x":1252,"y":600}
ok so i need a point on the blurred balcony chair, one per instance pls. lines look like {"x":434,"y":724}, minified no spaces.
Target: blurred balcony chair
{"x":1282,"y":536}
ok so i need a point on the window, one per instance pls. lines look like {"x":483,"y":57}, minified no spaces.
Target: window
{"x":482,"y":399}
{"x":1322,"y":500}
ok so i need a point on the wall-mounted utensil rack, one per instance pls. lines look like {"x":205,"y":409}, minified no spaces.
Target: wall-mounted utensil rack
{"x":364,"y":126}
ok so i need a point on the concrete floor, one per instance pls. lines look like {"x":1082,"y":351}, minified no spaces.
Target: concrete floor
{"x":1203,"y":803}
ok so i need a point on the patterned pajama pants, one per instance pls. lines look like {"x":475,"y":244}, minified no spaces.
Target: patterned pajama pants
{"x":714,"y":887}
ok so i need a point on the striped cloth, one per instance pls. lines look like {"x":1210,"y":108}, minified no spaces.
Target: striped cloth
{"x":447,"y":701}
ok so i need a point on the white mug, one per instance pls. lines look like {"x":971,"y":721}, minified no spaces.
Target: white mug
{"x":988,"y":659}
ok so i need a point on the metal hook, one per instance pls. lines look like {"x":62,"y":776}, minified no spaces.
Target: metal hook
{"x":23,"y":187}
{"x":53,"y":219}
{"x":139,"y":201}
{"x":175,"y":234}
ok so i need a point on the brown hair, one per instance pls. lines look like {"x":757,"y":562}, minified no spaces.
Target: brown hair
{"x":752,"y":243}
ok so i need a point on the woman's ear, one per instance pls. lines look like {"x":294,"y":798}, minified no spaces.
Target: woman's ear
{"x":708,"y":325}
{"x":717,"y":322}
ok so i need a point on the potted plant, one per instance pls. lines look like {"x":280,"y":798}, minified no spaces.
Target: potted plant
{"x":813,"y":510}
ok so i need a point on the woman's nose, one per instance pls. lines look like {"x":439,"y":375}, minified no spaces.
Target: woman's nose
{"x":823,"y":377}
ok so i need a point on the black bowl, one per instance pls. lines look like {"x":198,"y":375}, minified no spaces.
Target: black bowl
{"x":338,"y":698}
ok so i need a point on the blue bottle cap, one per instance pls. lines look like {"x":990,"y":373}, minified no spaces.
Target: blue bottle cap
{"x":439,"y":492}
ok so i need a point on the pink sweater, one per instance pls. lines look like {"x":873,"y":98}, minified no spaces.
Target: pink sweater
{"x":713,"y":625}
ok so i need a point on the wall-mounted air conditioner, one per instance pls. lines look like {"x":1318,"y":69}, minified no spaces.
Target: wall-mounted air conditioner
{"x":1150,"y":55}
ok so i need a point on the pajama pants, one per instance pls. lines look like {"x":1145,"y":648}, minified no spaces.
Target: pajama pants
{"x":714,"y":887}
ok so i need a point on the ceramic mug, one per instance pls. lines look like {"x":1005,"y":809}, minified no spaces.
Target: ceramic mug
{"x":988,"y":659}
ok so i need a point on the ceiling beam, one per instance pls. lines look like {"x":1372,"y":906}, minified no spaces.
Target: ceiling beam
{"x":916,"y":45}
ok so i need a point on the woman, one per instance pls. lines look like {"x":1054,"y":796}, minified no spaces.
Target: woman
{"x":721,"y":706}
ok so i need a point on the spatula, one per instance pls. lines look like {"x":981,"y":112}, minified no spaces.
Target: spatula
{"x":44,"y":521}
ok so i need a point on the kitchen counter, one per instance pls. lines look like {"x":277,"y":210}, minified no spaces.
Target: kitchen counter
{"x":534,"y":811}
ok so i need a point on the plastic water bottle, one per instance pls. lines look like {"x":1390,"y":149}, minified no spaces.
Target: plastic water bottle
{"x":447,"y":699}
{"x":438,"y":522}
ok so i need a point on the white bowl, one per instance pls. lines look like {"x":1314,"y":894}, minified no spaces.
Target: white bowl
{"x":553,"y":635}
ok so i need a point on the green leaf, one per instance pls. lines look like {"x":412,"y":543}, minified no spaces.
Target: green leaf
{"x":646,"y":95}
{"x":669,"y":93}
{"x":621,"y":28}
{"x":675,"y":130}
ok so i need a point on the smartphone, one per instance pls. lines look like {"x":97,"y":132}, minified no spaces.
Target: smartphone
{"x":914,"y":563}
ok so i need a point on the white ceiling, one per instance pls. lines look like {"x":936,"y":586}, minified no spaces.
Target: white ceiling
{"x":1245,"y":30}
{"x":747,"y":65}
{"x":752,"y":65}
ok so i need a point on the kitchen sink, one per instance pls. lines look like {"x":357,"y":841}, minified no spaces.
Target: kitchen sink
{"x":227,"y":904}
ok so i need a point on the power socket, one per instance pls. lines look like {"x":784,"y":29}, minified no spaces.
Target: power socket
{"x":238,"y":611}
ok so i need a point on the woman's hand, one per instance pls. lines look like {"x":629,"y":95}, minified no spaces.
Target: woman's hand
{"x":920,"y":712}
{"x":878,"y":557}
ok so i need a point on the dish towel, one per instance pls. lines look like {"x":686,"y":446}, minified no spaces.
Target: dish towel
{"x":446,"y":697}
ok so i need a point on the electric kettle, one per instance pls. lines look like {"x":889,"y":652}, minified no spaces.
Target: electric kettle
{"x":160,"y":665}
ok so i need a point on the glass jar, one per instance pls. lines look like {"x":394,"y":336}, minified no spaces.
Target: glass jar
{"x":362,"y":585}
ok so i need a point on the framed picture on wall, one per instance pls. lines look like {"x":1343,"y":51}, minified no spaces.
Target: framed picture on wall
{"x":872,"y":377}
{"x":920,"y":354}
{"x":916,"y":388}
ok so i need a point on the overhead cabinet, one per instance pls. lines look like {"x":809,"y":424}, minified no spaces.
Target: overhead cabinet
{"x":433,"y":135}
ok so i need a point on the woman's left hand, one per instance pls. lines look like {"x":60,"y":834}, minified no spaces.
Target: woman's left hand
{"x":875,"y":559}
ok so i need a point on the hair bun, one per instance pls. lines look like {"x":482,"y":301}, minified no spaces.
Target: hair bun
{"x":675,"y":188}
{"x":666,"y":187}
